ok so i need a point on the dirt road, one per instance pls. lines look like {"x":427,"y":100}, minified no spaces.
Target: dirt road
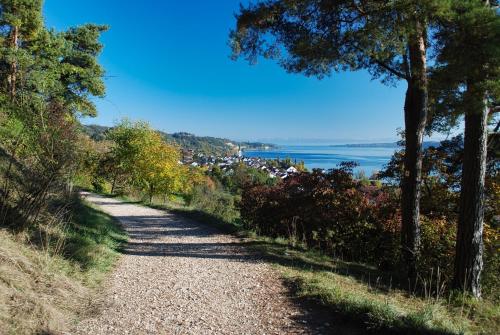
{"x":180,"y":277}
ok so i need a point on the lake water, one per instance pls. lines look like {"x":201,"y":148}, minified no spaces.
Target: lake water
{"x":370,"y":159}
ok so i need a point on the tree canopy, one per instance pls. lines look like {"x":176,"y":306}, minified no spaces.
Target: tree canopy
{"x":320,"y":37}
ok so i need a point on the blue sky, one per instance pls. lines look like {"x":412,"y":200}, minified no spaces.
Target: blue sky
{"x":167,"y":62}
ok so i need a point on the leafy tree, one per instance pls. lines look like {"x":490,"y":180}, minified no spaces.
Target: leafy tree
{"x":54,"y":69}
{"x":387,"y":38}
{"x":467,"y":83}
{"x":126,"y":140}
{"x":140,"y":157}
{"x":93,"y":167}
{"x":156,"y":166}
{"x":47,"y":79}
{"x":81,"y":74}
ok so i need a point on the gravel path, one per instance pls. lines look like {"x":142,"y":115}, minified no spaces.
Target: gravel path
{"x":180,"y":277}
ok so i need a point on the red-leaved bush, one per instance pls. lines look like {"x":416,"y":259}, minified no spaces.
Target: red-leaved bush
{"x":328,"y":211}
{"x":340,"y":216}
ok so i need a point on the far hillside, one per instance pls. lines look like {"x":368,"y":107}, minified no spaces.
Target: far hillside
{"x":206,"y":145}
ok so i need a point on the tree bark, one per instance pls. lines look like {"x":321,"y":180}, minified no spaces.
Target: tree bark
{"x":151,"y":192}
{"x":12,"y":78}
{"x":416,"y":111}
{"x":113,"y":183}
{"x":469,"y":247}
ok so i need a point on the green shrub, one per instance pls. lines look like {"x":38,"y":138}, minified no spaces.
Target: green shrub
{"x":214,"y":202}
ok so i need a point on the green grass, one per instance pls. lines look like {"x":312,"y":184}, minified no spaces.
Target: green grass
{"x":354,"y":293}
{"x":93,"y":242}
{"x":361,"y":294}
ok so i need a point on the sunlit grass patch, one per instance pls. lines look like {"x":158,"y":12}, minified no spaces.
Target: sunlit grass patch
{"x":354,"y":293}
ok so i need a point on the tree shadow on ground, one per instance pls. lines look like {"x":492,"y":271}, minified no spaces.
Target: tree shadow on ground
{"x":145,"y":230}
{"x":317,"y":317}
{"x":278,"y":253}
{"x":293,"y":257}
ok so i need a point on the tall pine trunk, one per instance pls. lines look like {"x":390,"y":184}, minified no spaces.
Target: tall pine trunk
{"x":12,"y":78}
{"x":416,"y":111}
{"x":469,"y":247}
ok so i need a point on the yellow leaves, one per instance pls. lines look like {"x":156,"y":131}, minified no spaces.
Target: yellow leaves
{"x":150,"y":163}
{"x":156,"y":167}
{"x":491,"y":235}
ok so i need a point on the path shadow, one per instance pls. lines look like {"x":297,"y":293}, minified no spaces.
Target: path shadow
{"x":314,"y":316}
{"x":229,"y":251}
{"x":151,"y":227}
{"x":290,"y":256}
{"x":107,"y":203}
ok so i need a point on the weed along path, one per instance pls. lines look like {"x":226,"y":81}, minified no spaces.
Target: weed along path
{"x":180,"y":277}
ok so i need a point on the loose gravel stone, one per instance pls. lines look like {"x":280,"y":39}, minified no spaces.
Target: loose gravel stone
{"x":181,"y":277}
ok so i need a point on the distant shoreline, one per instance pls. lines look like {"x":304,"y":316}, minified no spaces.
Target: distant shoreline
{"x":367,"y":145}
{"x":391,"y":145}
{"x":425,"y":144}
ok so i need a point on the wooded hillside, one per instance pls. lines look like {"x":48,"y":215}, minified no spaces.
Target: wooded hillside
{"x":206,"y":145}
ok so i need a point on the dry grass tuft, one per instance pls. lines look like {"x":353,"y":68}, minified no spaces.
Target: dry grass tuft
{"x":35,"y":295}
{"x":46,"y":286}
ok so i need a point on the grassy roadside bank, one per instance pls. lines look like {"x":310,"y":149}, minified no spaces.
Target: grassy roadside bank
{"x":357,"y":293}
{"x":49,"y":275}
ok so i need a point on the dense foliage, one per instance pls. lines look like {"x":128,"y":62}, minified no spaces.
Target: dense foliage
{"x":215,"y":202}
{"x":344,"y":217}
{"x":448,"y":48}
{"x":47,"y":80}
{"x":135,"y":158}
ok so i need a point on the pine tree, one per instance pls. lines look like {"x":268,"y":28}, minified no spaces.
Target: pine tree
{"x":47,"y":79}
{"x":387,"y":38}
{"x":20,"y":21}
{"x":466,"y":80}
